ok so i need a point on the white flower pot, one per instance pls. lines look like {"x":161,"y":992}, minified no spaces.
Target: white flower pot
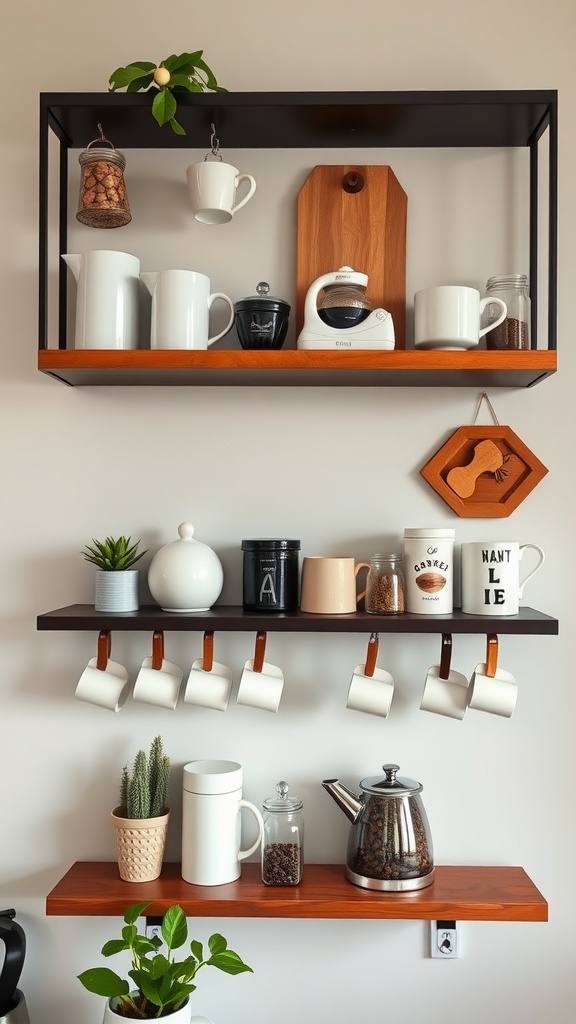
{"x":116,"y":591}
{"x":181,"y":1016}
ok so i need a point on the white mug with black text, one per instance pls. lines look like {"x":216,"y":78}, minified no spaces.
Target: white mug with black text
{"x":491,"y":583}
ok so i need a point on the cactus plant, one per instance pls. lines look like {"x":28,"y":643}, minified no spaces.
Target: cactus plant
{"x":144,"y":786}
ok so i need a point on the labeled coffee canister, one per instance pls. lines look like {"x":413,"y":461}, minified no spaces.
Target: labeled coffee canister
{"x":270,"y":575}
{"x":428,"y":570}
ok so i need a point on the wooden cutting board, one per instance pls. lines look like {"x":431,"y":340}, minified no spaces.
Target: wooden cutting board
{"x":364,"y":229}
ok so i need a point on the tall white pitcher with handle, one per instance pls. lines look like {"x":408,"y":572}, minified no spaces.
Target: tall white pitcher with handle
{"x":211,"y":827}
{"x":107,"y":298}
{"x":181,"y":303}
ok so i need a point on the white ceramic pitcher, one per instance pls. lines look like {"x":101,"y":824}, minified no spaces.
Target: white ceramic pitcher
{"x":181,"y":303}
{"x":107,"y":298}
{"x":211,"y":806}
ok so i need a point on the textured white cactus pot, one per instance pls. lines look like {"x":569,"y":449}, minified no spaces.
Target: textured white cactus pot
{"x":186,"y":575}
{"x":181,"y":1016}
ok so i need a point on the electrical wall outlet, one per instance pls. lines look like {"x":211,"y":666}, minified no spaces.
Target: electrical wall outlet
{"x":153,"y":927}
{"x":443,"y":940}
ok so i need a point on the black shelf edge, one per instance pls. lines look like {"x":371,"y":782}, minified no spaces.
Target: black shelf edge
{"x":233,"y":618}
{"x":288,"y":120}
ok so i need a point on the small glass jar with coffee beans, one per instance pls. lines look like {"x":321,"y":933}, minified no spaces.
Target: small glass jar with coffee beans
{"x":282,"y":842}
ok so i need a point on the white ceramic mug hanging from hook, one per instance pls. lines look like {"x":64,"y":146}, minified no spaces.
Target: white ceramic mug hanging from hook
{"x":213,"y":187}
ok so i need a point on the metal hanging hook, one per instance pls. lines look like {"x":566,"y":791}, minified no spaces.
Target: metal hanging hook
{"x":214,"y":143}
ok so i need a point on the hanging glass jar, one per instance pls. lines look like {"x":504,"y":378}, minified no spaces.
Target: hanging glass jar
{"x":103,"y":201}
{"x":514,"y":331}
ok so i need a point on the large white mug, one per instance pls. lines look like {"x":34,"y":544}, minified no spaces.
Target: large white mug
{"x":213,"y":186}
{"x":448,"y":317}
{"x":491,"y":583}
{"x":181,"y":304}
{"x":211,"y":826}
{"x":107,"y":298}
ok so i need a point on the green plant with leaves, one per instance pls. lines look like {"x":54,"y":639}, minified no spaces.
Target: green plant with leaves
{"x":113,"y":554}
{"x":183,"y":72}
{"x":144,"y":785}
{"x":159,"y":983}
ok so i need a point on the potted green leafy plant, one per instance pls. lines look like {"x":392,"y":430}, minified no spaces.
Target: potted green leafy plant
{"x":159,"y":985}
{"x":183,"y":72}
{"x":116,"y":578}
{"x":141,"y":819}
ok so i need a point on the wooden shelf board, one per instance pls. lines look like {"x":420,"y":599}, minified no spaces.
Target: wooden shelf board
{"x":457,"y":893}
{"x":292,"y":367}
{"x":235,"y":619}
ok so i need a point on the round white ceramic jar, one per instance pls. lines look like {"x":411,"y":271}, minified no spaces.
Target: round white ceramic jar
{"x":428,"y":571}
{"x":185,"y":576}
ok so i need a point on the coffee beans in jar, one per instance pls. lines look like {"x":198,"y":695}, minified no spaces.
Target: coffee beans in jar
{"x":282,"y":840}
{"x":385,"y":585}
{"x":514,"y":331}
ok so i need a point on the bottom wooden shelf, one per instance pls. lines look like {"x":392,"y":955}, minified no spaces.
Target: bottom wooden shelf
{"x":457,"y":893}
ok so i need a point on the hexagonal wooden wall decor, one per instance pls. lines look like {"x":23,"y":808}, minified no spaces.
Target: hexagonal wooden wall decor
{"x":484,"y":472}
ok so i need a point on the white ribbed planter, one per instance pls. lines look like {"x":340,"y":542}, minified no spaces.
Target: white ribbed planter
{"x":181,"y":1016}
{"x":116,"y":591}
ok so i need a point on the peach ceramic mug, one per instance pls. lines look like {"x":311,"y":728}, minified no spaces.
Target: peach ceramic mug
{"x":329,"y":585}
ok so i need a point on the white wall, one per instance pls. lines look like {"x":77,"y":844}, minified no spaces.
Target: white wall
{"x":337,"y":468}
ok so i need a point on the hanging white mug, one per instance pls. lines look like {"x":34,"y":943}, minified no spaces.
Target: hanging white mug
{"x":181,"y":304}
{"x":213,"y":187}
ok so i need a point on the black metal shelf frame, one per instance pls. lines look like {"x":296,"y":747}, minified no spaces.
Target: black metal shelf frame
{"x":511,"y":118}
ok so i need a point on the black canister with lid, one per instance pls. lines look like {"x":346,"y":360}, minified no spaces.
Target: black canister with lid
{"x":262,"y":319}
{"x":270,"y":577}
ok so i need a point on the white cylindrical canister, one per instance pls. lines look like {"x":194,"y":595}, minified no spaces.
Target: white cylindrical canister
{"x":428,"y":570}
{"x":211,"y":828}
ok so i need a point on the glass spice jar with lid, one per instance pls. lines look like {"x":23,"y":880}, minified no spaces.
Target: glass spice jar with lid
{"x":283,"y":838}
{"x":385,"y":585}
{"x":514,"y":331}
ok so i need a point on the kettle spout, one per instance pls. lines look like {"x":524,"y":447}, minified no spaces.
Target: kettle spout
{"x":73,"y":259}
{"x":347,"y":802}
{"x":149,"y":279}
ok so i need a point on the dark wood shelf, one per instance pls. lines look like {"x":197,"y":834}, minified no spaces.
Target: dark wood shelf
{"x":234,"y":619}
{"x":457,"y":893}
{"x":399,"y":368}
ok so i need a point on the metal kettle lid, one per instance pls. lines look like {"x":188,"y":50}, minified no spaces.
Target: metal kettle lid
{"x":391,"y":784}
{"x":15,"y":942}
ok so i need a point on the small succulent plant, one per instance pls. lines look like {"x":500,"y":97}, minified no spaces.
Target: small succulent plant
{"x":144,"y":785}
{"x":113,"y":554}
